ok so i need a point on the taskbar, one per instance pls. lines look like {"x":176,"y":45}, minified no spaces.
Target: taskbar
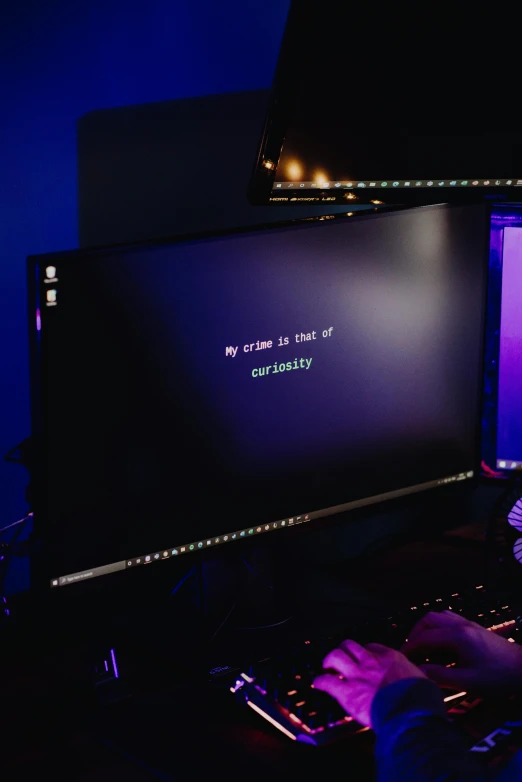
{"x":509,"y":464}
{"x":381,"y":184}
{"x":250,"y":532}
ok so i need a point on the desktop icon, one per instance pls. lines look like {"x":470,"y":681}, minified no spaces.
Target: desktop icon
{"x":274,"y":524}
{"x":156,"y":556}
{"x":55,"y":582}
{"x":418,"y":184}
{"x":307,"y":517}
{"x":372,"y":184}
{"x":182,"y":549}
{"x":225,"y":537}
{"x":502,"y":465}
{"x":250,"y":531}
{"x":283,"y":523}
{"x":395,"y":184}
{"x":217,"y":540}
{"x":258,"y":529}
{"x":138,"y":561}
{"x":51,"y":295}
{"x":514,"y":465}
{"x":475,"y":182}
{"x":337,"y":184}
{"x":174,"y":552}
{"x":147,"y":559}
{"x":209,"y":542}
{"x":464,"y":182}
{"x":407,"y":184}
{"x":50,"y":272}
{"x":200,"y":545}
{"x":278,"y":184}
{"x":384,"y":184}
{"x":361,"y":184}
{"x":441,"y":184}
{"x":234,"y":536}
{"x":242,"y":534}
{"x":509,"y":182}
{"x":429,"y":183}
{"x":129,"y":563}
{"x":191,"y":547}
{"x":486,"y":181}
{"x":497,"y":182}
{"x":349,"y":184}
{"x":267,"y":527}
{"x":165,"y":553}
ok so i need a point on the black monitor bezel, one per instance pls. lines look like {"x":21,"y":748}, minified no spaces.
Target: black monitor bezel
{"x":40,"y":577}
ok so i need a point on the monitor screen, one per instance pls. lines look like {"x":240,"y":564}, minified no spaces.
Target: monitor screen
{"x":191,"y":394}
{"x":372,"y":103}
{"x":502,"y":425}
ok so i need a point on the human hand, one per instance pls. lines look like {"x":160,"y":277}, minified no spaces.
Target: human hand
{"x":484,"y":662}
{"x":360,"y":673}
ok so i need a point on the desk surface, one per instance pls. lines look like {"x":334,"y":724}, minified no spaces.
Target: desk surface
{"x":198,"y":728}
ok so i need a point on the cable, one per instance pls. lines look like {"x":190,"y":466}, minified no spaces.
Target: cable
{"x":491,"y":473}
{"x":265,"y":627}
{"x":256,"y":574}
{"x":14,"y":524}
{"x":5,"y":559}
{"x":21,"y":458}
{"x":180,"y":584}
{"x":225,"y":620}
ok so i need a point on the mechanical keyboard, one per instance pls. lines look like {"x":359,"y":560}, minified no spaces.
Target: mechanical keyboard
{"x":279,"y":688}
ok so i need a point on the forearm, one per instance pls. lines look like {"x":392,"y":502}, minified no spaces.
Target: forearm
{"x":415,"y":741}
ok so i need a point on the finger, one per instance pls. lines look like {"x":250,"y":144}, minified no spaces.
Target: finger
{"x":376,"y":648}
{"x":446,"y":677}
{"x":434,"y":621}
{"x":335,"y":687}
{"x":331,"y":684}
{"x":430,"y":641}
{"x":355,"y":650}
{"x":341,"y":661}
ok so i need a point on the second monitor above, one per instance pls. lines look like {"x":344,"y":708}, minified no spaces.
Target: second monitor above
{"x":375,"y":102}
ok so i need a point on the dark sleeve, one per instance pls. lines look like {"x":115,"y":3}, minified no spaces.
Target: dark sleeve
{"x":415,"y":739}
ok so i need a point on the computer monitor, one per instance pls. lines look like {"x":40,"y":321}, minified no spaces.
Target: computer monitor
{"x":502,"y":421}
{"x":375,"y":103}
{"x":211,"y":390}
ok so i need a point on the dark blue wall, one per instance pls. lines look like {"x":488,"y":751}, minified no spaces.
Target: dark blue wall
{"x":58,"y":61}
